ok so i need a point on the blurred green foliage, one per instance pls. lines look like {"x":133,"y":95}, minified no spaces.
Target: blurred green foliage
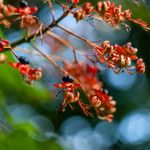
{"x":19,"y":139}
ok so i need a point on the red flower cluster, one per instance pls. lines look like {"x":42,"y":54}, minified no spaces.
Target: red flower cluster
{"x":98,"y":99}
{"x":119,"y":57}
{"x":4,"y":44}
{"x":103,"y":104}
{"x":70,"y":96}
{"x":30,"y":74}
{"x":108,"y":12}
{"x":111,"y":14}
{"x":114,"y":15}
{"x":27,"y":19}
{"x":9,"y":14}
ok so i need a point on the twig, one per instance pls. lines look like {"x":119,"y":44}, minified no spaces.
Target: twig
{"x":48,"y":58}
{"x":53,"y":24}
{"x":37,"y":53}
{"x":93,"y":45}
{"x":57,"y":66}
{"x":51,"y":9}
{"x":66,"y":43}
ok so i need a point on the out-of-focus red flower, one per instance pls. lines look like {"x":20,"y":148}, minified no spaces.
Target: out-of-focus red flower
{"x":30,"y":74}
{"x":3,"y":58}
{"x":85,"y":74}
{"x":9,"y":14}
{"x":27,"y":19}
{"x":75,"y":1}
{"x":26,"y":10}
{"x":4,"y":44}
{"x":98,"y":99}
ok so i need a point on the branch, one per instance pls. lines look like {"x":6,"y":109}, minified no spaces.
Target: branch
{"x":65,"y":42}
{"x":48,"y":58}
{"x":53,"y":24}
{"x":51,"y":9}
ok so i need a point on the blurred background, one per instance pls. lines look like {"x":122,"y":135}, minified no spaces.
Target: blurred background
{"x":29,"y":115}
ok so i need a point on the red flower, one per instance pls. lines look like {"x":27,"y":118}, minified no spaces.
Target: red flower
{"x":9,"y":14}
{"x":85,"y":74}
{"x":27,"y":19}
{"x":29,"y":73}
{"x":4,"y":44}
{"x":70,"y":96}
{"x":26,"y":10}
{"x":75,"y":1}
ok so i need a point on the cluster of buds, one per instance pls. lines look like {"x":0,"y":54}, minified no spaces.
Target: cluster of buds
{"x":98,"y":99}
{"x":111,"y":14}
{"x":83,"y":12}
{"x":4,"y":44}
{"x":103,"y":104}
{"x":9,"y":14}
{"x":120,"y":57}
{"x":30,"y":74}
{"x":140,"y":66}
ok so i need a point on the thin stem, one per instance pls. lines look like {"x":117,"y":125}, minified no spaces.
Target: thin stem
{"x":56,"y":65}
{"x":65,"y":42}
{"x":51,"y":9}
{"x":63,"y":6}
{"x":12,"y":51}
{"x":48,"y":58}
{"x":25,"y":51}
{"x":93,"y":45}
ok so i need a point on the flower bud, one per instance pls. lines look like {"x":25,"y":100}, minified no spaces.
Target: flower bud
{"x":78,"y":15}
{"x":99,"y":7}
{"x":3,"y":58}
